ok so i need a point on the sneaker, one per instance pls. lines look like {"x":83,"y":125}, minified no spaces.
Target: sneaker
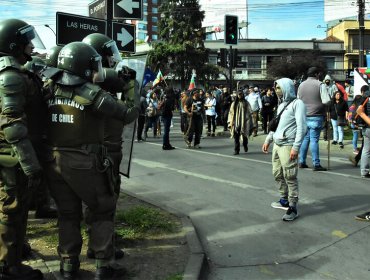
{"x":334,"y":143}
{"x":245,"y":149}
{"x":366,"y":176}
{"x":197,"y":146}
{"x":236,"y":153}
{"x":302,"y":165}
{"x":291,"y":214}
{"x":319,"y":168}
{"x":355,"y":151}
{"x":213,"y":134}
{"x":281,"y":204}
{"x":363,"y":217}
{"x":341,"y":145}
{"x":188,"y":143}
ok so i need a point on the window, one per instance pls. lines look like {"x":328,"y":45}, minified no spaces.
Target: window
{"x":155,"y":37}
{"x":330,"y":62}
{"x":254,"y":62}
{"x":141,"y":26}
{"x":154,"y":19}
{"x":141,"y":36}
{"x":155,"y":28}
{"x":154,"y":10}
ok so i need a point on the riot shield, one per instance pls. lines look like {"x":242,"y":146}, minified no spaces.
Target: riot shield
{"x":136,"y":63}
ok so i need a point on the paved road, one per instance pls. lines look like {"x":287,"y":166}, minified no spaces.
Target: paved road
{"x":228,"y":199}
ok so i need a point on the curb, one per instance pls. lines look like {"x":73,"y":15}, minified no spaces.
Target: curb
{"x":197,"y":264}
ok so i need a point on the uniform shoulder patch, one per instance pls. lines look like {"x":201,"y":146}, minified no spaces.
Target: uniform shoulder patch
{"x":86,"y":94}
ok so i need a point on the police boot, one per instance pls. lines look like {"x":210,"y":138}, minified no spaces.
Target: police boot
{"x":26,"y":250}
{"x":69,"y":268}
{"x":20,"y":272}
{"x":118,"y":254}
{"x":107,"y":271}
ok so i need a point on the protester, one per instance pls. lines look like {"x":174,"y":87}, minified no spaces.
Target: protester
{"x":168,"y":105}
{"x":268,"y":107}
{"x":338,"y":109}
{"x":314,"y":98}
{"x":210,"y":106}
{"x":194,"y":108}
{"x":287,"y":140}
{"x":240,"y":122}
{"x":254,"y":99}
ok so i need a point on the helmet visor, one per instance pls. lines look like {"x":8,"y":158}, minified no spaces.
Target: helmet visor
{"x":28,"y":34}
{"x":98,"y":71}
{"x":111,"y":49}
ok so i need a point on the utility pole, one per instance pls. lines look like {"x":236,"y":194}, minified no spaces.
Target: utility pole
{"x":361,"y":22}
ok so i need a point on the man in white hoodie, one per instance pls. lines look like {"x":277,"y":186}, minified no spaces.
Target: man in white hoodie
{"x":287,"y":140}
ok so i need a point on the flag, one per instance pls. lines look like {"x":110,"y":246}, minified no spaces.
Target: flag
{"x":192,"y":82}
{"x":159,"y":78}
{"x":149,"y":76}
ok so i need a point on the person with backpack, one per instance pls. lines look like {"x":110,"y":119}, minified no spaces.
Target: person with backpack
{"x":287,"y":137}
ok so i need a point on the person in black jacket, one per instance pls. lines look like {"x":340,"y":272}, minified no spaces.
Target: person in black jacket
{"x":337,"y":110}
{"x":141,"y":119}
{"x":167,"y":105}
{"x":268,"y":105}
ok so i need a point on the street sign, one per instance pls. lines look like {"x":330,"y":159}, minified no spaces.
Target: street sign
{"x":98,"y":9}
{"x":127,"y":9}
{"x":71,"y":28}
{"x":124,"y":35}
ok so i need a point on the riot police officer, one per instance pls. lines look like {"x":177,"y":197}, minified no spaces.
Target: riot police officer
{"x":51,"y":58}
{"x":40,"y":201}
{"x":115,"y":82}
{"x":80,"y":170}
{"x":20,"y":170}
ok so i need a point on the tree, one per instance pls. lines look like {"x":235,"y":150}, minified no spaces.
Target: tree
{"x":180,"y":48}
{"x":294,"y":64}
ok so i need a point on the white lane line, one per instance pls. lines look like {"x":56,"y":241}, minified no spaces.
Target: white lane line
{"x":156,"y":165}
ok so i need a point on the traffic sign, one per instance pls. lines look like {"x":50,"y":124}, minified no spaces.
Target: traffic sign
{"x":71,"y":28}
{"x":127,"y":9}
{"x":124,"y":35}
{"x":98,"y":9}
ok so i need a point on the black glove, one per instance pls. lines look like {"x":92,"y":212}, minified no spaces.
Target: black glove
{"x":127,"y":73}
{"x":35,"y":180}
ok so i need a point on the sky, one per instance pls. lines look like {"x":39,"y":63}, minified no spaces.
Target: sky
{"x":271,"y":19}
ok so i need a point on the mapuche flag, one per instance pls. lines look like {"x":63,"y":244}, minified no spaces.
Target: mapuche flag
{"x":159,"y":78}
{"x":192,"y":82}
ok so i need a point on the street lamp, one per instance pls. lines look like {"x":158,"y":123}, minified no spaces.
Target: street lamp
{"x":48,"y":26}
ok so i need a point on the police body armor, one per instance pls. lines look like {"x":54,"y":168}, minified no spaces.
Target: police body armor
{"x":20,"y":97}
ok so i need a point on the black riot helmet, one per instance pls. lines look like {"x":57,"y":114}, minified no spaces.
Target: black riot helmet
{"x":51,"y":58}
{"x":15,"y":34}
{"x":105,"y":46}
{"x":81,"y":60}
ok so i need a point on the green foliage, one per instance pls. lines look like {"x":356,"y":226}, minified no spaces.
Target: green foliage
{"x":294,"y":64}
{"x":138,"y":221}
{"x":175,"y":277}
{"x":180,"y":48}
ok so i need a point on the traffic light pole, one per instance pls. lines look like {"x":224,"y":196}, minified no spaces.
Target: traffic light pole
{"x":231,"y":70}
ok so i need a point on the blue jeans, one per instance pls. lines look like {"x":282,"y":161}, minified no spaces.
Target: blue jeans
{"x":311,"y":140}
{"x":354,"y":137}
{"x":166,"y":130}
{"x":338,"y":131}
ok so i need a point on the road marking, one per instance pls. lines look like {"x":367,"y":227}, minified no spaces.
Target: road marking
{"x":339,"y":233}
{"x":156,"y":165}
{"x":336,"y":159}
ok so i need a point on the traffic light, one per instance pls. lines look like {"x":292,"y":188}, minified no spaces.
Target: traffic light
{"x":223,"y":62}
{"x":231,"y":30}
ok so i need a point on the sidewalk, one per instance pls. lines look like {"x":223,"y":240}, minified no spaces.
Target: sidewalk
{"x":160,"y":258}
